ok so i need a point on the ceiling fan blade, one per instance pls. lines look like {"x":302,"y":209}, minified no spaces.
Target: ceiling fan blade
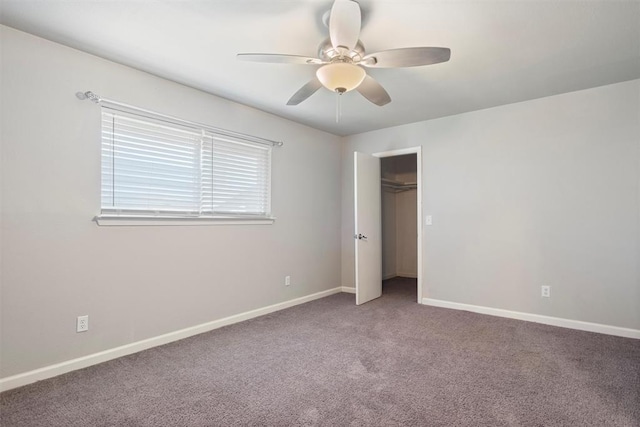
{"x":344,"y":24}
{"x":305,"y":92}
{"x":275,"y":58}
{"x":406,"y":57}
{"x":373,"y":91}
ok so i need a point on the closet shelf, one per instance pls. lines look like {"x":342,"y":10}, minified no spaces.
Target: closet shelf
{"x":397,"y":186}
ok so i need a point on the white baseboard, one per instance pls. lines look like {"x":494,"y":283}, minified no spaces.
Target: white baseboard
{"x":113,"y":353}
{"x":389,"y":276}
{"x":348,"y":289}
{"x":537,"y":318}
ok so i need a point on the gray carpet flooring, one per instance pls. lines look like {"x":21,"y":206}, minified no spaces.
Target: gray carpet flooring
{"x":389,"y":362}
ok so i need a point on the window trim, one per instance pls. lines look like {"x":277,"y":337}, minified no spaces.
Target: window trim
{"x":139,"y":220}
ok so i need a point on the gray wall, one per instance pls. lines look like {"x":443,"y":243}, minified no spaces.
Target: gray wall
{"x":138,"y":282}
{"x":545,"y":192}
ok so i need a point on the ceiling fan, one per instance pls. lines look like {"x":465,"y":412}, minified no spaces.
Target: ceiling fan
{"x":343,"y":57}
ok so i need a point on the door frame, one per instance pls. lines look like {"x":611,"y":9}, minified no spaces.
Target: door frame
{"x":418,"y":152}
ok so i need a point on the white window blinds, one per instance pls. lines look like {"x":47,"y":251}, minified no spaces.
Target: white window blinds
{"x":156,"y":168}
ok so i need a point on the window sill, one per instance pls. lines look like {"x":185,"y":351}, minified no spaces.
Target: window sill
{"x":109,"y":220}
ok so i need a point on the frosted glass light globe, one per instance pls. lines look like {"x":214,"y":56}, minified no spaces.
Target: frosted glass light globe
{"x":340,"y":77}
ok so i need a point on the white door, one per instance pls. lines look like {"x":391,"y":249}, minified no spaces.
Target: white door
{"x":368,"y":227}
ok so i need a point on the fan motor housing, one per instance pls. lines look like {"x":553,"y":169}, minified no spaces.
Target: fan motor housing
{"x":327,"y":52}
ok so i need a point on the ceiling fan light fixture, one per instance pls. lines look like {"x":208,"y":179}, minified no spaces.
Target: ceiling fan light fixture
{"x":344,"y":56}
{"x":340,"y":76}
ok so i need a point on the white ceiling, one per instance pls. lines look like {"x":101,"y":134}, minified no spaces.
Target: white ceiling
{"x":501,"y":51}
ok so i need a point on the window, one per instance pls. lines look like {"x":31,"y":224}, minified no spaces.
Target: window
{"x":155,"y":168}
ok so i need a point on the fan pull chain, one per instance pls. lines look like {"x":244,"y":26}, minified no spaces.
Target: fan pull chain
{"x":338,"y":106}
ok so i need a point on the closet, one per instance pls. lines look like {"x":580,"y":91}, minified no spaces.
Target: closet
{"x":399,"y":216}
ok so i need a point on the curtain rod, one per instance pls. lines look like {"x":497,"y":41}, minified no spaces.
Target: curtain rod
{"x":171,"y":119}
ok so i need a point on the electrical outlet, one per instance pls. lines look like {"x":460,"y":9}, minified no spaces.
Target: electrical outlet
{"x":82,"y":323}
{"x":546,"y":291}
{"x":287,"y":280}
